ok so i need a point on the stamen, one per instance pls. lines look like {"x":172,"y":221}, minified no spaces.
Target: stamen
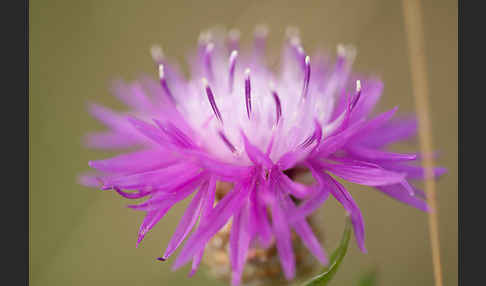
{"x":292,"y":32}
{"x":248,"y":92}
{"x":299,"y":54}
{"x":278,"y":105}
{"x":176,"y":135}
{"x":207,"y":61}
{"x":308,"y":141}
{"x":157,"y":54}
{"x":205,"y":38}
{"x":226,"y":141}
{"x":210,"y":96}
{"x":358,"y":94}
{"x":346,"y":55}
{"x":316,"y":135}
{"x":232,"y":65}
{"x":163,"y":83}
{"x":305,"y":88}
{"x":261,"y":33}
{"x":233,"y":39}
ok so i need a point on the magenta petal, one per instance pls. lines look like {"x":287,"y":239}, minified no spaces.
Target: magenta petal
{"x":298,"y":190}
{"x":109,"y":117}
{"x":187,"y":221}
{"x":363,"y":173}
{"x":134,"y":195}
{"x":375,"y":155}
{"x":150,"y":220}
{"x":218,"y":217}
{"x":239,"y":243}
{"x":284,"y":242}
{"x":399,"y":193}
{"x":310,"y":205}
{"x":135,"y":162}
{"x":333,"y":143}
{"x":371,"y":92}
{"x":413,"y":172}
{"x":150,"y":131}
{"x":260,"y":218}
{"x":132,"y":95}
{"x":395,"y":130}
{"x":160,"y":199}
{"x":344,"y":198}
{"x":374,"y":124}
{"x":160,"y":179}
{"x":90,"y":180}
{"x":207,"y":207}
{"x":225,"y":171}
{"x":255,"y":154}
{"x":111,"y":140}
{"x":305,"y":232}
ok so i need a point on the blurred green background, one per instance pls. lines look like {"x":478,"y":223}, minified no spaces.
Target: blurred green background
{"x":81,"y":236}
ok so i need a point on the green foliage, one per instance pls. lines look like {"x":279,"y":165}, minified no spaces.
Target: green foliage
{"x":335,"y":261}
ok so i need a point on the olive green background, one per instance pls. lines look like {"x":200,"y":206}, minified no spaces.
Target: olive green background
{"x":81,"y":236}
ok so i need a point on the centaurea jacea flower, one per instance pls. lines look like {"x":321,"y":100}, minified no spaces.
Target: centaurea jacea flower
{"x":239,"y":122}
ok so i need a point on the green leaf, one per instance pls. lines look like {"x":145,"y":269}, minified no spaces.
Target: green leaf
{"x":335,"y":260}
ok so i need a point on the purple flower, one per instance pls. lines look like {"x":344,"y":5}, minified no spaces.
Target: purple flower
{"x":237,"y":121}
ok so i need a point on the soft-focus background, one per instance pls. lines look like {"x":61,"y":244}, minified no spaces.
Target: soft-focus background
{"x":81,"y":236}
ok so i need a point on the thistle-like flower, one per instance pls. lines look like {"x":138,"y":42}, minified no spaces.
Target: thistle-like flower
{"x":237,"y":121}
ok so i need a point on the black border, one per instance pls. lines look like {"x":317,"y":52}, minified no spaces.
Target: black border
{"x":471,"y":192}
{"x":14,"y":24}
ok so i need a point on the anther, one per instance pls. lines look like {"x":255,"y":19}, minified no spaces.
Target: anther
{"x":232,"y":65}
{"x":261,"y":33}
{"x":358,"y":94}
{"x":210,"y":96}
{"x":233,"y":39}
{"x":278,"y":105}
{"x":305,"y":87}
{"x":207,"y":60}
{"x":248,"y":92}
{"x":163,"y":83}
{"x":157,"y":54}
{"x":226,"y":141}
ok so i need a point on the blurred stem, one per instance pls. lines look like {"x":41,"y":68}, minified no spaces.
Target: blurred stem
{"x":414,"y":28}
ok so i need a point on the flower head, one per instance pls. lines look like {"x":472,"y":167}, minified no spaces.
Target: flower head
{"x":237,"y":121}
